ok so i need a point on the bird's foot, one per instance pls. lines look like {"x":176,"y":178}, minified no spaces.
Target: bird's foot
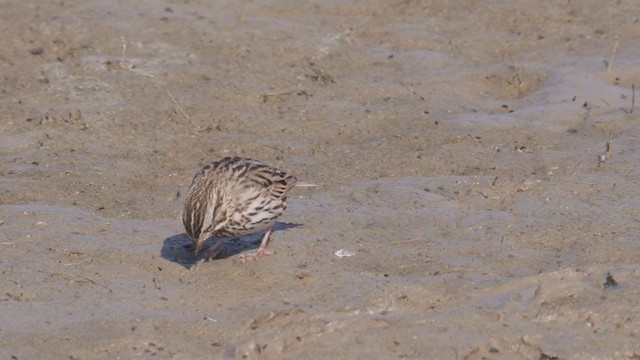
{"x":209,"y":255}
{"x":256,"y":255}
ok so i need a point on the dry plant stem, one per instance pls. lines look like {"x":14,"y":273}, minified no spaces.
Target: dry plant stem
{"x":400,"y":242}
{"x":613,"y":54}
{"x":124,"y":49}
{"x":278,"y":93}
{"x":633,"y":98}
{"x":413,"y":92}
{"x":181,"y":110}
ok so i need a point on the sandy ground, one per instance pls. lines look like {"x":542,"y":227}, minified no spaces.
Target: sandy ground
{"x":456,"y":143}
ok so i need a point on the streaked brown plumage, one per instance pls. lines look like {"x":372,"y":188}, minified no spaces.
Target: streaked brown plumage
{"x":232,"y":197}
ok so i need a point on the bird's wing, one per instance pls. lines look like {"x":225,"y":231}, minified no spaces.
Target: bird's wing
{"x":275,"y":183}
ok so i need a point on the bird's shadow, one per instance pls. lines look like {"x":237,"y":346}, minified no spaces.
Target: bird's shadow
{"x":179,"y":248}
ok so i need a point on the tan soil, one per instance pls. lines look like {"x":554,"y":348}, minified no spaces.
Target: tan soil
{"x":456,"y":145}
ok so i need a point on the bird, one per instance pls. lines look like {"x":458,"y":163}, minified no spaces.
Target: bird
{"x":231,"y":197}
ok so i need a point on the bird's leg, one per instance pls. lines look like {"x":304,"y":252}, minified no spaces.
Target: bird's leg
{"x":262,"y":249}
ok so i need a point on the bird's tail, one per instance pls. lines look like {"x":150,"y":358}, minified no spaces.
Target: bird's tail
{"x":291,"y":182}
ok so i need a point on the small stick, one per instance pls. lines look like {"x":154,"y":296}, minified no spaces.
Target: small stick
{"x":94,"y":283}
{"x":265,"y":97}
{"x":613,"y":54}
{"x":182,"y":110}
{"x":413,"y":91}
{"x":123,"y":41}
{"x":306,"y":185}
{"x":633,"y":97}
{"x":278,"y":93}
{"x":608,"y":152}
{"x":400,"y":242}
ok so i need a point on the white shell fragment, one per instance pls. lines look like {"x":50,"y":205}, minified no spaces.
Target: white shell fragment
{"x":344,"y":253}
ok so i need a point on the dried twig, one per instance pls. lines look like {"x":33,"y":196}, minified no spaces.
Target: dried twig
{"x":613,"y":54}
{"x":123,"y":41}
{"x":95,"y":283}
{"x":265,"y":97}
{"x":413,"y":92}
{"x":633,"y":98}
{"x":400,"y":242}
{"x":181,"y":110}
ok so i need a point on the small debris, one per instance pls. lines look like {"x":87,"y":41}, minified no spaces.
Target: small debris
{"x":319,"y":75}
{"x":601,"y":159}
{"x":604,"y":157}
{"x":344,"y":253}
{"x":302,"y":275}
{"x":610,"y":282}
{"x":633,"y":98}
{"x":36,"y":51}
{"x":544,"y":356}
{"x":405,"y":241}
